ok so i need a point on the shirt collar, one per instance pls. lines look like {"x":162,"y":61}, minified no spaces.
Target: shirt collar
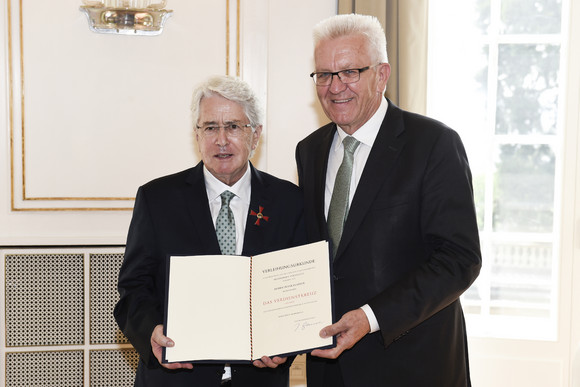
{"x":242,"y":188}
{"x":367,"y":133}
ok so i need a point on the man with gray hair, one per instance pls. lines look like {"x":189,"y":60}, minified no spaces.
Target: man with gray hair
{"x":209,"y":209}
{"x":392,"y":192}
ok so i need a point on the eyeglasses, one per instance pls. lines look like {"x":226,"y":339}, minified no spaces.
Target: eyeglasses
{"x":231,"y":130}
{"x":346,"y":76}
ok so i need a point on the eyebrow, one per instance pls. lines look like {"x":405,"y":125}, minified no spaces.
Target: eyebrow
{"x":233,"y":121}
{"x":350,"y":67}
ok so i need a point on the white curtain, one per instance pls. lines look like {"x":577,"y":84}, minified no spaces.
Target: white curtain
{"x":405,"y":24}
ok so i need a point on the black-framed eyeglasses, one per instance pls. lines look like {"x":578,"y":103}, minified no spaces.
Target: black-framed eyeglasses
{"x":324,"y":78}
{"x":233,"y":129}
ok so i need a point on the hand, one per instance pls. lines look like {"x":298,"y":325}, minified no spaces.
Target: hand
{"x":158,"y":341}
{"x":273,"y":362}
{"x":352,"y":327}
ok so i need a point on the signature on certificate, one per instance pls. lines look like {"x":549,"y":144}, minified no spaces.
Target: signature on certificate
{"x":302,"y":325}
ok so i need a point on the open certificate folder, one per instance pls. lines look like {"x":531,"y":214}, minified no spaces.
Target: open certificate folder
{"x":237,"y":309}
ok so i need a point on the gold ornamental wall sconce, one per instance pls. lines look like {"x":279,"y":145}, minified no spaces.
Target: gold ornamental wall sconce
{"x":127,"y":17}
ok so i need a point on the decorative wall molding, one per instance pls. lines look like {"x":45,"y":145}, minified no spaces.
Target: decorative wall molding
{"x":100,"y":115}
{"x":84,"y":170}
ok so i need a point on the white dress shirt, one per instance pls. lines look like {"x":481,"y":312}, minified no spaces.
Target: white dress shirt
{"x":366,"y":135}
{"x":240,"y":205}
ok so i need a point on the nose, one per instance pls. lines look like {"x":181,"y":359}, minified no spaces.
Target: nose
{"x":222,"y":138}
{"x":336,"y":85}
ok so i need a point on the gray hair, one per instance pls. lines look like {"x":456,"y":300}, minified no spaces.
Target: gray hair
{"x":354,"y":24}
{"x":233,"y":89}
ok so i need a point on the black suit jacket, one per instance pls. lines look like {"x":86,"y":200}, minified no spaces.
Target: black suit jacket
{"x":409,"y":249}
{"x":172,"y":217}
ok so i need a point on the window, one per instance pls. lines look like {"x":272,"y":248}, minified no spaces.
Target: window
{"x":495,"y":77}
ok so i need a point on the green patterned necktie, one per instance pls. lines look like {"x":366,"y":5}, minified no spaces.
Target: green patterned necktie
{"x":226,"y":226}
{"x":338,"y":210}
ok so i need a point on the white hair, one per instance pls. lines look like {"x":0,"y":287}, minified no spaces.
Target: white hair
{"x":233,"y":89}
{"x":354,"y":24}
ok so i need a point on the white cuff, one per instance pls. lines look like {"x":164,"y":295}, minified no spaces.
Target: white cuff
{"x":371,"y":317}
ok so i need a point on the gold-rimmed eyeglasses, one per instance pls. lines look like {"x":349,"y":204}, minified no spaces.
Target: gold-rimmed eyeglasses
{"x":233,"y":129}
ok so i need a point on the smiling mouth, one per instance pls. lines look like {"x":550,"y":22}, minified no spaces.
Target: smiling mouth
{"x":223,"y":155}
{"x":342,"y":100}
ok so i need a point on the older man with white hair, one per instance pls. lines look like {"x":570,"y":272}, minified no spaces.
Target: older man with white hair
{"x":392,"y":192}
{"x":209,"y":209}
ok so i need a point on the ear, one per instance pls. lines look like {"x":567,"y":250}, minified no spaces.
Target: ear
{"x":256,"y":136}
{"x":384,"y":72}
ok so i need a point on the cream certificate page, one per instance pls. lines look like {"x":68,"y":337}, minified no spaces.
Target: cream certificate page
{"x":208,"y":314}
{"x":291,"y":299}
{"x":236,"y":308}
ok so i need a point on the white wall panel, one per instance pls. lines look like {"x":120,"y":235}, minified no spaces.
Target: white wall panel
{"x":96,"y":115}
{"x":499,"y":371}
{"x":90,"y":117}
{"x":293,"y":108}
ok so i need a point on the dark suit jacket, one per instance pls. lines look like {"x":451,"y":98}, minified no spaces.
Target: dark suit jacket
{"x":172,"y":217}
{"x":409,"y":249}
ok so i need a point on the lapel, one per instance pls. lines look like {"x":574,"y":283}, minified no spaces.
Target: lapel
{"x":195,"y":197}
{"x":386,"y":149}
{"x":320,"y":167}
{"x":255,"y":232}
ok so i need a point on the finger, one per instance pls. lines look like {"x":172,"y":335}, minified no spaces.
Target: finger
{"x":279,"y":360}
{"x":331,"y":353}
{"x":159,"y":338}
{"x":259,"y":364}
{"x":334,"y":329}
{"x":328,"y":331}
{"x":172,"y":366}
{"x":268,"y":362}
{"x":175,"y":366}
